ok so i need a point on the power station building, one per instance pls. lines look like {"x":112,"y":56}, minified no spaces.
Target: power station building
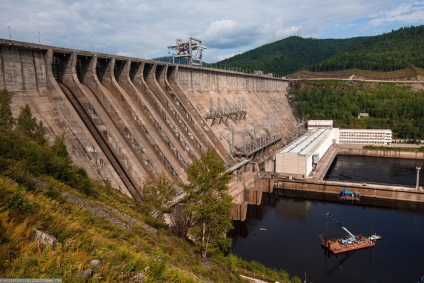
{"x":301,"y":157}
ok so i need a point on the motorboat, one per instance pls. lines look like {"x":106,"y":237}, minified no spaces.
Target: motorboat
{"x":374,"y":237}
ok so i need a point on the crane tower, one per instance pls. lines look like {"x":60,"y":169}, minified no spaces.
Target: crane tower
{"x":190,"y":49}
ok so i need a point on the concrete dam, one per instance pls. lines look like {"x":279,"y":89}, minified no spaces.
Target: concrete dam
{"x":126,"y":118}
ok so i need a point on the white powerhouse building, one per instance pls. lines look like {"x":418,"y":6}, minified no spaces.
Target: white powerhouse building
{"x":302,"y":155}
{"x":299,"y":158}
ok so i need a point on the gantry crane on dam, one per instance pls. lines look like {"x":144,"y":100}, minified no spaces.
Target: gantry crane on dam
{"x":191,"y":49}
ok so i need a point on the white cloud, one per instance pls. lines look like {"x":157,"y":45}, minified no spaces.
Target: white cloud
{"x":229,"y":34}
{"x":226,"y":56}
{"x":405,"y":13}
{"x":145,"y":28}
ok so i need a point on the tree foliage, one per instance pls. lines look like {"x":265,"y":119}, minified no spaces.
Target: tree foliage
{"x":27,"y":125}
{"x":288,"y":55}
{"x":390,"y":106}
{"x":6,"y":118}
{"x":59,"y":146}
{"x":158,"y":192}
{"x":26,"y":146}
{"x":208,"y":202}
{"x":387,"y":52}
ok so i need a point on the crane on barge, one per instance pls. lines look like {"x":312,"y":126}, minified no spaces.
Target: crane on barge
{"x":347,"y":244}
{"x":349,"y":240}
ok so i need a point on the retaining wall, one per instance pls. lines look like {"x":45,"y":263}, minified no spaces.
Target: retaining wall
{"x":393,"y":153}
{"x":330,"y":187}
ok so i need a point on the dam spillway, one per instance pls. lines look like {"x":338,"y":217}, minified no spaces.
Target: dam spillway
{"x":127,"y":118}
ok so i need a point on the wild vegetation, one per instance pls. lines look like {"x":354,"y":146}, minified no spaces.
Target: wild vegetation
{"x":41,"y":189}
{"x":390,"y":106}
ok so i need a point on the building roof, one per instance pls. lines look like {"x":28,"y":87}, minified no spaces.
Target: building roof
{"x":320,"y":123}
{"x":366,"y":130}
{"x":308,"y":141}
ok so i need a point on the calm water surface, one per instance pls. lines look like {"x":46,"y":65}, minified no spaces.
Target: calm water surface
{"x":295,"y":224}
{"x":376,"y":170}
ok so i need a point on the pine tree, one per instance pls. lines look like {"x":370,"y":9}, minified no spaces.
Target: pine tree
{"x":6,"y":118}
{"x":27,"y":125}
{"x":59,"y":146}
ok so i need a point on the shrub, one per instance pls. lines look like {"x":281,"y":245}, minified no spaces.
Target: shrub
{"x":23,"y":179}
{"x":54,"y":193}
{"x":3,"y":238}
{"x":18,"y":204}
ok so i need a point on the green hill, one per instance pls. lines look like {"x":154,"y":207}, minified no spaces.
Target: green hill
{"x":290,"y":54}
{"x":388,"y":52}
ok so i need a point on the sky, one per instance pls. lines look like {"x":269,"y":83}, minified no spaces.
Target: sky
{"x":144,"y":29}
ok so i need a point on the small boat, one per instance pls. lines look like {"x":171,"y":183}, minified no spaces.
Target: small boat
{"x":349,"y":196}
{"x":374,"y":237}
{"x":262,"y":229}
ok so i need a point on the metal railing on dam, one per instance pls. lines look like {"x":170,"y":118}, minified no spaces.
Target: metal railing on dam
{"x":125,"y":119}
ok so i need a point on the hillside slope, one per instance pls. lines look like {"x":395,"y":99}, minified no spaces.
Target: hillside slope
{"x":391,"y":51}
{"x":290,"y":54}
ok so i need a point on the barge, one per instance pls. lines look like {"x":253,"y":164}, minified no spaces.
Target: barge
{"x":337,"y":246}
{"x":350,"y":243}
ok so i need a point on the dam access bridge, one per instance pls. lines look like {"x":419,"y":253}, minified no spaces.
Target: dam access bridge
{"x":127,"y":118}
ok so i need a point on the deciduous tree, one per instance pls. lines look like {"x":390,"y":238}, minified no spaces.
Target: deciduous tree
{"x":158,"y":192}
{"x":209,"y":203}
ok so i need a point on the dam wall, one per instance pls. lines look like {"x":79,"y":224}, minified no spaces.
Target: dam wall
{"x":262,"y":98}
{"x":125,"y":119}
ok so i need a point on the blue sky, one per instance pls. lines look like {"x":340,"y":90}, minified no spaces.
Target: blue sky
{"x":144,"y":29}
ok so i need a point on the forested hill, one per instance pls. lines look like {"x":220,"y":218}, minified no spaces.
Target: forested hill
{"x":387,"y":52}
{"x":288,"y":55}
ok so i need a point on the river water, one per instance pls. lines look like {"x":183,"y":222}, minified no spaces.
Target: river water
{"x":295,"y":223}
